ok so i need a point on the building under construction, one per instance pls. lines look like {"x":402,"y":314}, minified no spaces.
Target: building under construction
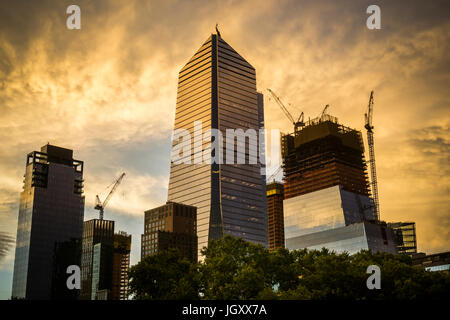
{"x":327,"y":200}
{"x":323,"y":154}
{"x":405,"y":233}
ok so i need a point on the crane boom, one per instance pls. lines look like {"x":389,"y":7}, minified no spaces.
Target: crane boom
{"x":101,"y":206}
{"x":273,"y":175}
{"x":283,"y":108}
{"x":373,"y":171}
{"x":324,"y":110}
{"x":299,"y":122}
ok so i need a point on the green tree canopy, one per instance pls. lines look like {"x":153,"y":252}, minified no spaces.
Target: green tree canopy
{"x":164,"y":276}
{"x":234,"y":269}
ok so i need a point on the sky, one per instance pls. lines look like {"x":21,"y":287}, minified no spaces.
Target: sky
{"x":108,"y":91}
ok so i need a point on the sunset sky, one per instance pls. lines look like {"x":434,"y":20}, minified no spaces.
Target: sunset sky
{"x":108,"y":91}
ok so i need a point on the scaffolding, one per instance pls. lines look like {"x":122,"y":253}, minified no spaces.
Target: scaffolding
{"x":322,"y":154}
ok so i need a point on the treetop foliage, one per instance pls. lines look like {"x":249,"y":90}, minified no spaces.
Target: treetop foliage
{"x":234,"y":269}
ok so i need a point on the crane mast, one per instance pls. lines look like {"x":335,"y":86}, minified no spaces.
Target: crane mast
{"x":373,"y":171}
{"x":101,"y":205}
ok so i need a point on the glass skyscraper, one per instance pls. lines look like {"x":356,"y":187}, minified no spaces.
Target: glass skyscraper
{"x":327,"y":199}
{"x":217,"y":87}
{"x":96,"y":261}
{"x":50,"y":224}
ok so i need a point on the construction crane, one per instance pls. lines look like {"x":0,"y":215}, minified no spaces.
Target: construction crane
{"x":324,"y":110}
{"x":300,"y":121}
{"x":273,"y":175}
{"x":101,"y":205}
{"x":373,"y":171}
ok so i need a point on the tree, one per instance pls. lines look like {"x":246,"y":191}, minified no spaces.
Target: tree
{"x":234,"y":269}
{"x":164,"y":276}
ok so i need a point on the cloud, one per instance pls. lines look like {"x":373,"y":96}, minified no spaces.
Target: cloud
{"x":415,"y":184}
{"x":108,"y":91}
{"x":135,"y":194}
{"x":6,"y":243}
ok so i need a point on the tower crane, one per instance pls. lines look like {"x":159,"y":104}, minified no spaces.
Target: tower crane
{"x":273,"y":175}
{"x":323,"y":112}
{"x":101,"y":205}
{"x":300,"y":121}
{"x":373,"y":171}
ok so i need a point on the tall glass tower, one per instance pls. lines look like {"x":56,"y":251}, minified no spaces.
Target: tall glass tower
{"x":50,"y":225}
{"x":217,"y":87}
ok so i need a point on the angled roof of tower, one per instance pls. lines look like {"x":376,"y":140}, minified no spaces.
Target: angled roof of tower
{"x":223,"y":45}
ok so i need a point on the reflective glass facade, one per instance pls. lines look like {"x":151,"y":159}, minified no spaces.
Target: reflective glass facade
{"x":352,"y":238}
{"x":95,"y":232}
{"x":102,"y":262}
{"x":335,"y":219}
{"x":218,"y":87}
{"x":313,"y":212}
{"x":324,"y":209}
{"x":50,"y":218}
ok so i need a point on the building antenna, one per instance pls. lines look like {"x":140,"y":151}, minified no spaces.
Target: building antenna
{"x":217,"y":30}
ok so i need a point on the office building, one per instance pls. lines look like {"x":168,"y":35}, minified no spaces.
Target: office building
{"x":102,"y":263}
{"x":368,"y":235}
{"x":171,"y":226}
{"x":96,"y":258}
{"x":66,"y":253}
{"x":51,"y":215}
{"x":327,"y":199}
{"x":217,"y":88}
{"x":405,"y":234}
{"x":275,"y":217}
{"x":433,"y":262}
{"x":121,"y":265}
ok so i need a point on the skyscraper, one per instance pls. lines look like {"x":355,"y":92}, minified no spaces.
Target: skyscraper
{"x":171,"y":226}
{"x":121,"y":264}
{"x":326,"y":191}
{"x":275,"y":215}
{"x":50,"y":224}
{"x":217,"y":87}
{"x":96,"y":258}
